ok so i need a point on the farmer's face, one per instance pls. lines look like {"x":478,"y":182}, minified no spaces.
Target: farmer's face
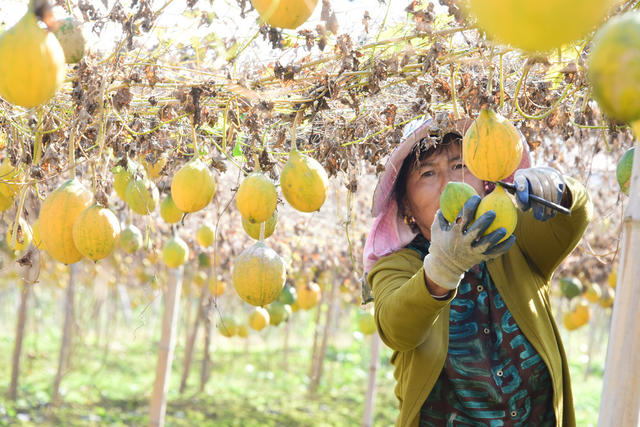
{"x":426,"y":181}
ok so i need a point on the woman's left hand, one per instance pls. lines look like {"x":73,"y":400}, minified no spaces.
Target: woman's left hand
{"x":545,"y":182}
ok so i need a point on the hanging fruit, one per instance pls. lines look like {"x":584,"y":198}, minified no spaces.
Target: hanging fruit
{"x":32,"y":64}
{"x":285,"y":13}
{"x":304,"y":182}
{"x":492,"y":147}
{"x":256,"y":198}
{"x":499,"y":202}
{"x":205,"y":235}
{"x":175,"y":252}
{"x":278,"y":312}
{"x":142,"y":196}
{"x":541,"y":25}
{"x":253,"y":229}
{"x":308,"y":295}
{"x":193,"y":186}
{"x":613,"y":67}
{"x":95,"y":232}
{"x":453,"y":198}
{"x":259,"y":318}
{"x":623,"y":170}
{"x":69,"y":34}
{"x":130,"y":239}
{"x":228,"y":325}
{"x":217,"y":286}
{"x":169,"y":211}
{"x":57,"y":216}
{"x":258,"y":274}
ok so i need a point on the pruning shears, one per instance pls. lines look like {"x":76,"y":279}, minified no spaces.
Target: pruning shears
{"x":511,"y":188}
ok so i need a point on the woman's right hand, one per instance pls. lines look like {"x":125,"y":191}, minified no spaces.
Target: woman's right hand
{"x":458,"y":246}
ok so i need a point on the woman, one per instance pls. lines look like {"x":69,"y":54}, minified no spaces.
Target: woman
{"x":469,"y":319}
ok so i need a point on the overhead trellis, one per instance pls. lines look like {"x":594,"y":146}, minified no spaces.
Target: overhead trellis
{"x":351,"y":97}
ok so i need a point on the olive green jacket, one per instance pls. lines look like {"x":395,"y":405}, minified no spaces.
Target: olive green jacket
{"x":416,"y":325}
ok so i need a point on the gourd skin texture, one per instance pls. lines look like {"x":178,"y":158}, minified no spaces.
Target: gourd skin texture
{"x":285,"y":13}
{"x":57,"y":216}
{"x":538,"y":25}
{"x":32,"y":63}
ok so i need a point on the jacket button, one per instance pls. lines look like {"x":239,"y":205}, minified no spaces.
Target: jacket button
{"x":499,"y":373}
{"x":480,"y":288}
{"x":514,"y":414}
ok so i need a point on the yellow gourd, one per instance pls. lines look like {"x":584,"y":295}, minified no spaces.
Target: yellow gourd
{"x":491,"y":147}
{"x":285,"y":13}
{"x":193,"y":186}
{"x":256,"y":198}
{"x":304,"y":182}
{"x":95,"y":232}
{"x":506,"y":214}
{"x":32,"y":63}
{"x":57,"y":216}
{"x":258,"y":274}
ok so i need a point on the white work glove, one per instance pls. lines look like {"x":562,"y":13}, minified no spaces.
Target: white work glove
{"x":543,"y":182}
{"x":457,"y":247}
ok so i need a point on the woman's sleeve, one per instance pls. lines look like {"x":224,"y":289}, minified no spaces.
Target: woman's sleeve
{"x":404,"y":309}
{"x":547,"y":243}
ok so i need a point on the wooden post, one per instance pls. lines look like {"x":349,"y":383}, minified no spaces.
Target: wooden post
{"x":620,"y":404}
{"x":317,"y":375}
{"x":208,"y":330}
{"x":370,"y":398}
{"x":17,"y":347}
{"x":188,"y":351}
{"x":158,"y":405}
{"x":66,"y":333}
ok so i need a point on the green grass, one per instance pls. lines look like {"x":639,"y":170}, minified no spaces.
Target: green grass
{"x":250,"y":385}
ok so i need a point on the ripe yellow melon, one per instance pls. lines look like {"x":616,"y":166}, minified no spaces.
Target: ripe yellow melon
{"x":142,"y":196}
{"x":259,"y":318}
{"x":96,"y":232}
{"x":205,"y":236}
{"x":308,"y":295}
{"x":491,"y":147}
{"x":228,"y":326}
{"x":121,"y":178}
{"x":169,"y":211}
{"x":506,"y":214}
{"x":175,"y":252}
{"x":256,"y":198}
{"x":538,"y":25}
{"x":57,"y":216}
{"x":217,"y":286}
{"x":253,"y":229}
{"x":304,"y":182}
{"x":32,"y":64}
{"x":193,"y":186}
{"x":258,"y":274}
{"x":285,"y":13}
{"x":614,"y":67}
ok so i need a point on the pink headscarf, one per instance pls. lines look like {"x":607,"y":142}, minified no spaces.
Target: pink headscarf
{"x":389,"y":233}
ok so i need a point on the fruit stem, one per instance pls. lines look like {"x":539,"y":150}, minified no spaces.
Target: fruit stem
{"x":262,"y":226}
{"x":37,"y":147}
{"x":294,"y":129}
{"x":23,"y":196}
{"x":196,"y":150}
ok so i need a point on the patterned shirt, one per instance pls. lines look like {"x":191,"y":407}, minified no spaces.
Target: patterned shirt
{"x":492,"y":375}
